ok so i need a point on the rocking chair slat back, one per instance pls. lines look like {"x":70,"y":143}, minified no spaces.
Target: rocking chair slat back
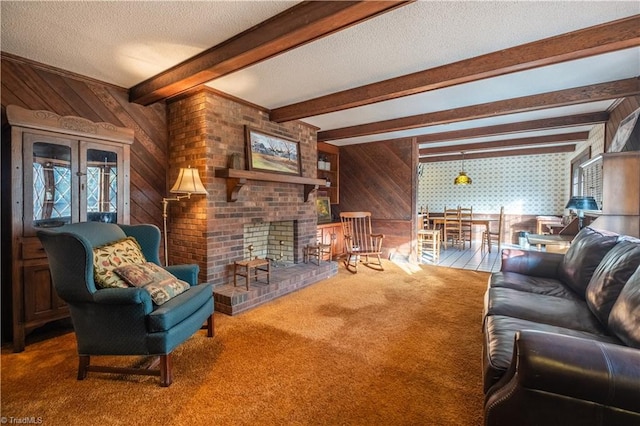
{"x":360,"y":242}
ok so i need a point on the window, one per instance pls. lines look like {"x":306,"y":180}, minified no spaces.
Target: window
{"x":577,"y":173}
{"x":592,"y":178}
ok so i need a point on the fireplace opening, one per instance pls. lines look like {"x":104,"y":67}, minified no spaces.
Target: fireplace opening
{"x":274,"y":241}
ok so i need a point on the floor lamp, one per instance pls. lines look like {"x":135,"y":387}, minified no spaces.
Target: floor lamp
{"x":188,"y":183}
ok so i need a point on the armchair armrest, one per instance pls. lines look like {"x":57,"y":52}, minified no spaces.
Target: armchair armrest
{"x":377,"y":241}
{"x":553,"y":373}
{"x":534,"y":263}
{"x":188,"y":273}
{"x":124,"y":296}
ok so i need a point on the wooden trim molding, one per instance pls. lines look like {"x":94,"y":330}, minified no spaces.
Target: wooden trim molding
{"x":505,"y":143}
{"x":511,"y":128}
{"x":58,"y":71}
{"x":505,"y":153}
{"x":69,"y":125}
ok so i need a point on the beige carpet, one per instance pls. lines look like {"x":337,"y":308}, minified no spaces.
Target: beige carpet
{"x":400,"y":347}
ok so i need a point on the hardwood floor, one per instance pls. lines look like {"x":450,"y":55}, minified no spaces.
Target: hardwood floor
{"x":472,"y":258}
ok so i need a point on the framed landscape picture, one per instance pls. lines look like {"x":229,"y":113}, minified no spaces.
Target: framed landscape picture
{"x":267,"y":152}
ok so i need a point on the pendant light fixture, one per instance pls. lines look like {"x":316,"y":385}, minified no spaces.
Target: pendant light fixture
{"x":462,"y":178}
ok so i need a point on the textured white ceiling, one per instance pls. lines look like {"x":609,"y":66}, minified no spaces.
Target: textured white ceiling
{"x":126,"y":42}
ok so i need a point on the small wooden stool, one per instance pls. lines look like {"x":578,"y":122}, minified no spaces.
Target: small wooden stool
{"x":243,"y":268}
{"x":431,"y":237}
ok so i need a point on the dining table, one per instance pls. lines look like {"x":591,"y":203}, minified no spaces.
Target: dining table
{"x":479,"y":222}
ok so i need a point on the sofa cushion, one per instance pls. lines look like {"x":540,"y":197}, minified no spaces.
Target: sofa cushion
{"x":583,"y":257}
{"x":531,"y":284}
{"x":551,"y":310}
{"x":161,"y":285}
{"x":624,"y":320}
{"x":610,"y":277}
{"x":110,"y":256}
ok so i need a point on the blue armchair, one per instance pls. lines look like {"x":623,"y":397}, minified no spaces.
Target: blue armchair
{"x":123,"y":321}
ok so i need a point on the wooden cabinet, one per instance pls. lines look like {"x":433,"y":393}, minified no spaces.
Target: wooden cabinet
{"x":58,"y":170}
{"x":329,"y":171}
{"x":332,"y":234}
{"x":621,"y":183}
{"x":620,"y":193}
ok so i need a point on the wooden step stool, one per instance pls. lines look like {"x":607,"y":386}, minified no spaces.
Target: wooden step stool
{"x":243,"y":268}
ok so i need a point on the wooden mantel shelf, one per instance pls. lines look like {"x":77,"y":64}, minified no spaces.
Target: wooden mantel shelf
{"x":237,"y":178}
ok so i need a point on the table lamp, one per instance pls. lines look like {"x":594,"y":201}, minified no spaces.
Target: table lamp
{"x":579,"y":204}
{"x":188,"y":183}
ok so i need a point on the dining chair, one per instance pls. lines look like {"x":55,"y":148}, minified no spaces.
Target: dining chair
{"x":428,"y":238}
{"x":453,"y":227}
{"x":466,"y":215}
{"x":494,"y":237}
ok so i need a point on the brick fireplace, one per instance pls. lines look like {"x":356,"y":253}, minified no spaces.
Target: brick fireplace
{"x":206,"y":129}
{"x":274,"y":241}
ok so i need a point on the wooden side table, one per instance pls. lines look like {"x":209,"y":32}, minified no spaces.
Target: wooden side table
{"x":243,"y":268}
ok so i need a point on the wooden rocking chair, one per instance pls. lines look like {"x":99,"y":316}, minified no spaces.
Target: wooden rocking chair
{"x":360,"y":242}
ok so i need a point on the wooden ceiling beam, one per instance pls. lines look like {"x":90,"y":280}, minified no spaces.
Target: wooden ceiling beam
{"x":505,"y":153}
{"x":507,"y":143}
{"x":577,"y":95}
{"x":608,"y":37}
{"x":511,"y":128}
{"x":301,"y":24}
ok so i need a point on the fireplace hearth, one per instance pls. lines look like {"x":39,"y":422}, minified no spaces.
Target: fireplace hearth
{"x":276,"y":241}
{"x":232,"y":300}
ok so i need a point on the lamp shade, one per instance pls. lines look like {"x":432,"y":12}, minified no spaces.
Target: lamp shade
{"x":582,"y":203}
{"x":462,"y":179}
{"x":188,"y":182}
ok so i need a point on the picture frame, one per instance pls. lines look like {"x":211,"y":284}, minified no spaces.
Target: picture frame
{"x":623,"y":134}
{"x":323,"y":208}
{"x":272,"y":153}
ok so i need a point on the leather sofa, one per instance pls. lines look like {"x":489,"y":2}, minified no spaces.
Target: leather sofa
{"x":562,"y":335}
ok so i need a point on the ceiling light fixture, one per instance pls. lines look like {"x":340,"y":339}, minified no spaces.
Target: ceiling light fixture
{"x":462,"y":178}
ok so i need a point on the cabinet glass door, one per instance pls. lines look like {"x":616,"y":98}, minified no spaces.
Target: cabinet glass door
{"x":49,"y":183}
{"x":101,"y":185}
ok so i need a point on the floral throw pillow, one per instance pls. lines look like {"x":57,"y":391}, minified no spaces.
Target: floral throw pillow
{"x":111,"y":256}
{"x":161,"y":284}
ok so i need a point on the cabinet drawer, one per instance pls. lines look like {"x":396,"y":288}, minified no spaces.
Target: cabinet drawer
{"x":32,"y":249}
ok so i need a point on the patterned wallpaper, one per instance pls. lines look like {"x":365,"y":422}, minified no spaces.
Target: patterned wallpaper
{"x":531,"y":184}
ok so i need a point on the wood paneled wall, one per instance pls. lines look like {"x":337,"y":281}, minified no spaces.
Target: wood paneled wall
{"x":35,"y":86}
{"x":380,"y":177}
{"x":622,"y":111}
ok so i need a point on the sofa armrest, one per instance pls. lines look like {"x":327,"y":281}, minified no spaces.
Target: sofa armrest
{"x":534,"y":263}
{"x":553,"y":373}
{"x":188,"y":273}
